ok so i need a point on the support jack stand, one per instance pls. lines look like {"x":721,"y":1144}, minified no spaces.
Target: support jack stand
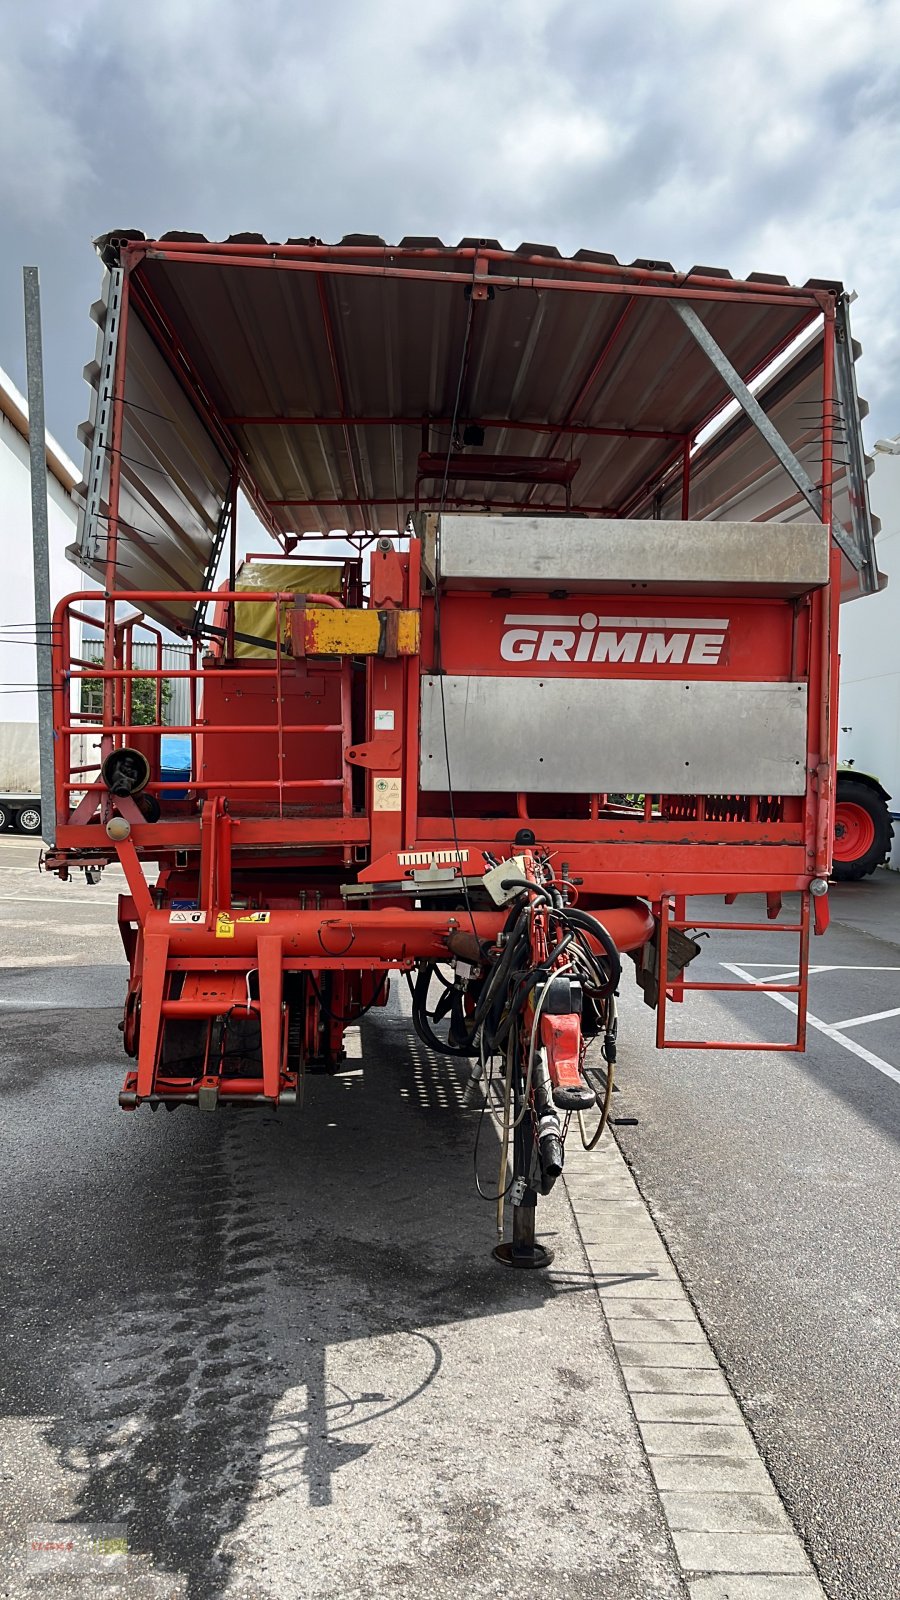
{"x":521,"y":1250}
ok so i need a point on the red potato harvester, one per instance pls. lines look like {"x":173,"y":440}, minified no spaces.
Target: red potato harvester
{"x":588,"y":671}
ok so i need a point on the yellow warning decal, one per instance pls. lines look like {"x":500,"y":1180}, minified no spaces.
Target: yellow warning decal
{"x":225,"y":921}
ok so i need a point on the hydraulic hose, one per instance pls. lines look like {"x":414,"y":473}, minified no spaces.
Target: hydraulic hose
{"x":588,"y":924}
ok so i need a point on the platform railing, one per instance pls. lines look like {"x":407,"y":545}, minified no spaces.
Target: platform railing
{"x":115,"y":726}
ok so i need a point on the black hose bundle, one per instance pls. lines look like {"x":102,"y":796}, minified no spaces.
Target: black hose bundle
{"x":510,"y":981}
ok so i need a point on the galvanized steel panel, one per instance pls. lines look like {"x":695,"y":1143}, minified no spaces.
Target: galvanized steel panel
{"x":657,"y":736}
{"x":537,"y":553}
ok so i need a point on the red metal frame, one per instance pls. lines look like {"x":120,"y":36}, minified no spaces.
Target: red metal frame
{"x":679,"y":987}
{"x":265,"y":915}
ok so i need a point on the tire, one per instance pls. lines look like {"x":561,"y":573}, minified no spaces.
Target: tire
{"x":28,"y":820}
{"x":5,"y":818}
{"x":862,"y":831}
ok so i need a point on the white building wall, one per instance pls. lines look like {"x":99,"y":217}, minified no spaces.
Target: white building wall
{"x":18,"y":671}
{"x":870,"y":650}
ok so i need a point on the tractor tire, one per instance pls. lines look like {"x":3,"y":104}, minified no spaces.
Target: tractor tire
{"x":862,"y":831}
{"x":5,"y":818}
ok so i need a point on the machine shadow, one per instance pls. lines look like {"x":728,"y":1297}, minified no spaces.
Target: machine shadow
{"x":285,"y":1286}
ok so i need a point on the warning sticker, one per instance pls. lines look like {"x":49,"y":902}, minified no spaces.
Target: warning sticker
{"x":226,"y":920}
{"x":387,"y":794}
{"x":384,"y":720}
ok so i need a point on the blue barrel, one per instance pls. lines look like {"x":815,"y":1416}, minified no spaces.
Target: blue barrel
{"x":174,"y":763}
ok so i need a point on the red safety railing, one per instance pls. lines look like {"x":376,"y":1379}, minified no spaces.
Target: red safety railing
{"x":114,"y":726}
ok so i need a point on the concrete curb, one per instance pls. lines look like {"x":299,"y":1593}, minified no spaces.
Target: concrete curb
{"x":731,"y":1533}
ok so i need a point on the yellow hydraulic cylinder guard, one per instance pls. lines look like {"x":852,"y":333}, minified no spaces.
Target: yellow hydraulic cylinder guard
{"x":324,"y":631}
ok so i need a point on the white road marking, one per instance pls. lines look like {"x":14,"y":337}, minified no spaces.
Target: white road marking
{"x":836,"y":968}
{"x":872,"y":1016}
{"x":55,"y":900}
{"x":828,"y":1028}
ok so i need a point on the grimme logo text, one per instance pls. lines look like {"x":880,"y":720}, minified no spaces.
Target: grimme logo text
{"x":588,"y":637}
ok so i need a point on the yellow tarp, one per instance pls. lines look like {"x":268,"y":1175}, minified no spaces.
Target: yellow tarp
{"x":258,"y":616}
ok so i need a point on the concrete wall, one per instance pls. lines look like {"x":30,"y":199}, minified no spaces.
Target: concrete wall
{"x":870,"y":650}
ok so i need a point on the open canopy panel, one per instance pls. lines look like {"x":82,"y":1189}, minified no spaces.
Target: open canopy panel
{"x":328,"y":379}
{"x":734,"y":475}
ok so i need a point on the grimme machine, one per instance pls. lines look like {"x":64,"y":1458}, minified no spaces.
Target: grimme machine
{"x":546,"y":643}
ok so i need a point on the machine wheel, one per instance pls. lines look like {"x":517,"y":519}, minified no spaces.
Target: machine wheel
{"x":29,"y":820}
{"x":862,"y":831}
{"x":4,"y":818}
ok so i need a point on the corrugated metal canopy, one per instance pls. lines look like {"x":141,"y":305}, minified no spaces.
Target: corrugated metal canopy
{"x":735,"y":477}
{"x":332,"y":368}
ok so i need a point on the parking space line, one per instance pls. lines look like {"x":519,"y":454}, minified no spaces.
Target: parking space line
{"x":837,"y":967}
{"x":872,"y":1016}
{"x":828,"y":1028}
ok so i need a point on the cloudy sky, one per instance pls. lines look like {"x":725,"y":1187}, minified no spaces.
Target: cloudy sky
{"x":758,"y":137}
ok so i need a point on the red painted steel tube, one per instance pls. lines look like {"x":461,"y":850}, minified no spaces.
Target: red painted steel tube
{"x":316,"y":249}
{"x":743,"y":927}
{"x":112,"y":500}
{"x":741,"y":988}
{"x":750,"y":295}
{"x":207,"y":1008}
{"x":829,"y":603}
{"x":729,"y":1044}
{"x":445,"y":500}
{"x":217,"y":785}
{"x":389,"y":935}
{"x":502,"y":424}
{"x":206,"y":729}
{"x":319,"y":257}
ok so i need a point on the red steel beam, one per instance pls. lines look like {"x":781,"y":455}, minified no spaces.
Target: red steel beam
{"x":318,"y":254}
{"x":500,"y":423}
{"x":447,"y":500}
{"x":748,"y":294}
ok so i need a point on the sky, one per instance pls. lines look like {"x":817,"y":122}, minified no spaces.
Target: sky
{"x":757,"y":137}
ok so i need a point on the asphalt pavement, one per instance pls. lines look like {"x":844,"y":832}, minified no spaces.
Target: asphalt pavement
{"x":274,"y":1353}
{"x":276,"y":1356}
{"x":774,"y":1180}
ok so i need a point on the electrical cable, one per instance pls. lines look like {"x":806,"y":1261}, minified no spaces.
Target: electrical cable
{"x":438,"y":661}
{"x":589,"y":1144}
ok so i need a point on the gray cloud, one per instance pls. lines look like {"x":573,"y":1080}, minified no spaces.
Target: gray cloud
{"x":758,"y":138}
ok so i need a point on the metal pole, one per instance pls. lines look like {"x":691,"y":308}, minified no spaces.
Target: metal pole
{"x":40,"y":543}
